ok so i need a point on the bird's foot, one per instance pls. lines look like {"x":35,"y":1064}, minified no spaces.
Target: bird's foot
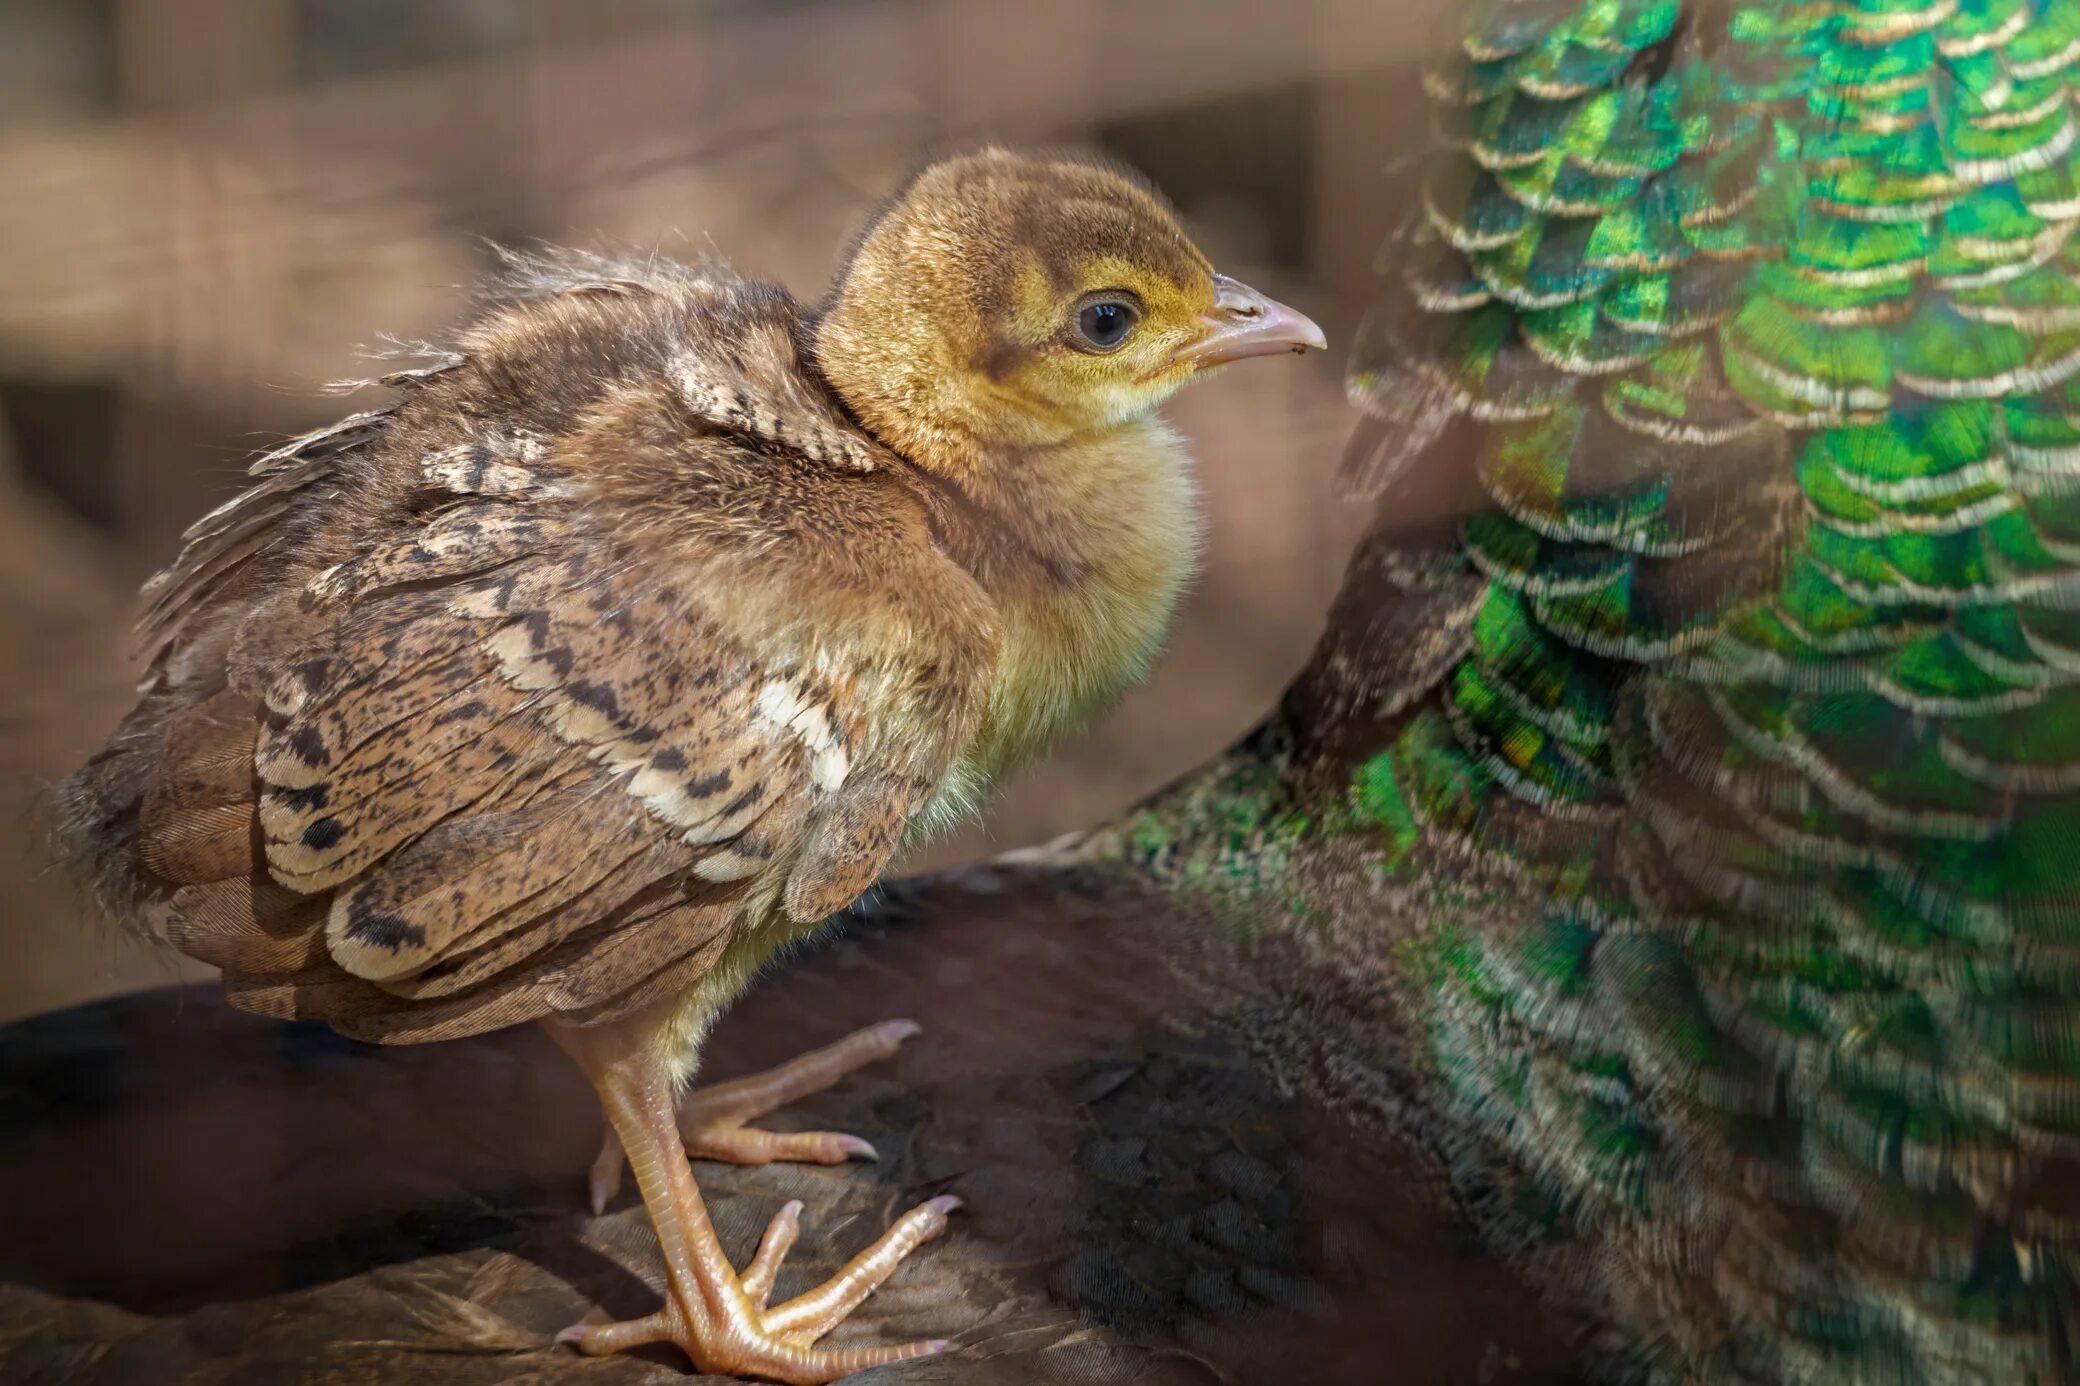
{"x":711,"y":1120}
{"x":779,"y":1343}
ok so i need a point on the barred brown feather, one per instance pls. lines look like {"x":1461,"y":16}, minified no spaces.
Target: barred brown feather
{"x":470,"y":711}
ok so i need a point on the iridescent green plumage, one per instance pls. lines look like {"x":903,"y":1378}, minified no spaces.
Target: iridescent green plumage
{"x":1759,"y":324}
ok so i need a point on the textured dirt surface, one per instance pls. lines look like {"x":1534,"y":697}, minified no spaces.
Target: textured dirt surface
{"x":200,"y":1197}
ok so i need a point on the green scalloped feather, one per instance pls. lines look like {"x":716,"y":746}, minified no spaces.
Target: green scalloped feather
{"x":1842,"y":743}
{"x":2048,"y":742}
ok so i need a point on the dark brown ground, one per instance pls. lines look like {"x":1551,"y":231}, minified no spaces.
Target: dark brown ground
{"x":196,"y":1196}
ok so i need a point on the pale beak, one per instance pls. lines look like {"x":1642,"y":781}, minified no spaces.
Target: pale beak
{"x":1245,"y":323}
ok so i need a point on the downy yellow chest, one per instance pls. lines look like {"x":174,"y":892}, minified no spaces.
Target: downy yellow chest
{"x":1106,"y":533}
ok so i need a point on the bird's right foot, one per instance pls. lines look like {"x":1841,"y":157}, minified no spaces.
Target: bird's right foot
{"x":779,"y":1343}
{"x":715,"y":1313}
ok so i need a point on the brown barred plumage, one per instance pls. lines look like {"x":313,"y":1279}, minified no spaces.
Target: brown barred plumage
{"x":626,"y":646}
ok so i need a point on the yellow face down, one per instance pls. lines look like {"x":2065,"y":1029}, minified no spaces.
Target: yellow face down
{"x":1002,"y":302}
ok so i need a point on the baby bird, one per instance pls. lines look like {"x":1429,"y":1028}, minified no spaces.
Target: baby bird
{"x":631,"y":642}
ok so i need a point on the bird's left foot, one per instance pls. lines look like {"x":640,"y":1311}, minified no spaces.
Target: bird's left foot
{"x":712,"y":1120}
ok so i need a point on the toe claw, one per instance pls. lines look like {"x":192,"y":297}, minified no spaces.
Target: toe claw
{"x":601,"y":1189}
{"x":779,"y":1239}
{"x":604,"y":1179}
{"x":600,"y":1339}
{"x":857,"y":1149}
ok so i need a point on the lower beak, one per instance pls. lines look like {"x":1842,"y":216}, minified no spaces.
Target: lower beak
{"x":1245,"y":323}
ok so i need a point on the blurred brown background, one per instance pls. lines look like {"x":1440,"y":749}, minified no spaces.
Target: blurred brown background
{"x":211,"y":208}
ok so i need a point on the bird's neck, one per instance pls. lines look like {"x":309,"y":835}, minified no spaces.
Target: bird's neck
{"x":1083,"y":539}
{"x":1050,"y":516}
{"x":1084,"y":547}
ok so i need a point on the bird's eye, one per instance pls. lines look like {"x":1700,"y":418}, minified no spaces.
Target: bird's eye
{"x":1106,"y":323}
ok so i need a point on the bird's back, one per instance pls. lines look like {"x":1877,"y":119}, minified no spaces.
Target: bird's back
{"x":608,"y":646}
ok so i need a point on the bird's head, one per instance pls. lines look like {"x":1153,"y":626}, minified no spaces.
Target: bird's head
{"x":1002,"y":301}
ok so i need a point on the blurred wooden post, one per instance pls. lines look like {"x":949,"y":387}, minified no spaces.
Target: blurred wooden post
{"x":1017,"y":72}
{"x":175,"y":61}
{"x":177,"y":57}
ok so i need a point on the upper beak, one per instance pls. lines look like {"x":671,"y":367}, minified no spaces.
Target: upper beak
{"x":1245,"y":323}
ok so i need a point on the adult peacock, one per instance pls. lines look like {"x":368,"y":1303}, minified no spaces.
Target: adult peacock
{"x":1757,"y":662}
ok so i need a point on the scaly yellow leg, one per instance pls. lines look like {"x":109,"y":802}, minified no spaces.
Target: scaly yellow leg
{"x":711,"y":1120}
{"x":717,"y":1316}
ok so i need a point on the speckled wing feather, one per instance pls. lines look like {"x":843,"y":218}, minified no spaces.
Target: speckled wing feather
{"x":465,"y":714}
{"x":218,"y":550}
{"x":1759,"y":325}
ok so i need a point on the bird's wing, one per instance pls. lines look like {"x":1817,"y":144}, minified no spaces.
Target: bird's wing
{"x":505,"y":772}
{"x":497,"y":762}
{"x":225,"y":551}
{"x":1759,"y":327}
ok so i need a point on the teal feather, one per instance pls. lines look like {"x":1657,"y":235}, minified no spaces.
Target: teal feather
{"x":1759,"y":326}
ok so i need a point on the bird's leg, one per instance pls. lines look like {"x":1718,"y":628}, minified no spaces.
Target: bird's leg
{"x":717,"y":1316}
{"x":711,"y":1120}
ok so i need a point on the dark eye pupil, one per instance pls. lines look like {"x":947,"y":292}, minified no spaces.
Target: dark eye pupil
{"x":1104,"y":324}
